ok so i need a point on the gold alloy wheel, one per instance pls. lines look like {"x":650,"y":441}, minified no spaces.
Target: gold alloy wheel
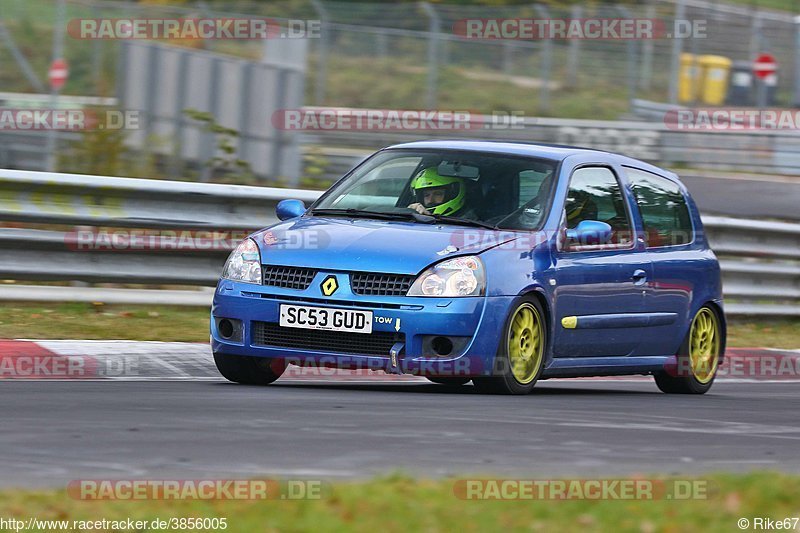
{"x":704,"y":345}
{"x":525,"y":346}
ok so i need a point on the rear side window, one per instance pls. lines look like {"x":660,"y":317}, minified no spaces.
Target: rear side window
{"x":663,"y":208}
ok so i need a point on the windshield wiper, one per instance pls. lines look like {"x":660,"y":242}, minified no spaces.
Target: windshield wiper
{"x":446,"y":219}
{"x":366,"y":213}
{"x":402,"y":215}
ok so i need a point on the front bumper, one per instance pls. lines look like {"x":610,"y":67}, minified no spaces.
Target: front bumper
{"x":479,"y":320}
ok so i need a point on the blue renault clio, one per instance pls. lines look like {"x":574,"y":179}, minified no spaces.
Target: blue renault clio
{"x":491,"y":262}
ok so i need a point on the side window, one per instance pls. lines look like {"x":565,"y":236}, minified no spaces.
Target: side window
{"x":595,"y":194}
{"x":663,"y":208}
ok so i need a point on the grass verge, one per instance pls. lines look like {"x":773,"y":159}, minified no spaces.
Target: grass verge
{"x":398,"y":503}
{"x":190,"y":324}
{"x":92,"y":321}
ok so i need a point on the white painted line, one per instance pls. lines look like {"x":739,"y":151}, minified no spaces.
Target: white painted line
{"x":125,"y":360}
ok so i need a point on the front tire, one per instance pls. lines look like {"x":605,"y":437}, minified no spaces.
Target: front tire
{"x":697,"y":358}
{"x":249,"y":370}
{"x":520,"y":357}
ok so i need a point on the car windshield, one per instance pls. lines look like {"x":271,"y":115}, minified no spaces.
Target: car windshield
{"x":443,"y":186}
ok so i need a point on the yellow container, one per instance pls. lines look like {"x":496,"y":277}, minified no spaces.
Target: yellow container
{"x":715,"y":73}
{"x":690,"y":79}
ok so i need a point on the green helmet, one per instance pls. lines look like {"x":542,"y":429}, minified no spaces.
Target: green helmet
{"x":454,"y":195}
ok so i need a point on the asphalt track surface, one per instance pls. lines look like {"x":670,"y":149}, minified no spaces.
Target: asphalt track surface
{"x":57,"y":431}
{"x":767,"y":196}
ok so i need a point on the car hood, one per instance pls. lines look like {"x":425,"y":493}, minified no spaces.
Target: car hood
{"x":370,"y":245}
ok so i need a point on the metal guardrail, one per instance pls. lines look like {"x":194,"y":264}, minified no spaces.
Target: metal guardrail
{"x":139,"y":203}
{"x":760,"y":259}
{"x":202,"y":222}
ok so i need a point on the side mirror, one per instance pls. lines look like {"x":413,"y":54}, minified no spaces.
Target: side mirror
{"x":287,"y":209}
{"x":589,"y":232}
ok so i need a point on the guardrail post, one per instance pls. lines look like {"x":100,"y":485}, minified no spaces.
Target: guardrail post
{"x":244,"y":112}
{"x":755,"y":35}
{"x":210,"y":139}
{"x":434,"y":29}
{"x":58,"y":53}
{"x":573,"y":51}
{"x":322,"y":52}
{"x":796,"y":98}
{"x":675,"y":60}
{"x":97,"y":62}
{"x":149,"y":105}
{"x":630,"y":47}
{"x":646,"y":73}
{"x":508,"y":67}
{"x":176,"y":164}
{"x":381,"y":43}
{"x":278,"y":139}
{"x":547,"y":61}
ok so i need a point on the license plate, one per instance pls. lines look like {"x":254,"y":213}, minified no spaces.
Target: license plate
{"x":305,"y":317}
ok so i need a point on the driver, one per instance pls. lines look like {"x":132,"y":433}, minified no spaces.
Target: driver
{"x":439,"y":195}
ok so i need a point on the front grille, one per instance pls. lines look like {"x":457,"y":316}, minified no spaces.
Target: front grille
{"x":326,"y":301}
{"x":376,"y":343}
{"x":288,"y":277}
{"x":371,"y":284}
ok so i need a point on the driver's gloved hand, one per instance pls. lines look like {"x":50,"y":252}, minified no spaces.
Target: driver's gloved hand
{"x":419,"y":208}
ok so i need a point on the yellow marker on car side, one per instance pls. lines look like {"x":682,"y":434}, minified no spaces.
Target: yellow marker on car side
{"x":569,"y":322}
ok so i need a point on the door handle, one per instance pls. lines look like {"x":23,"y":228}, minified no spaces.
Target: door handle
{"x":639,"y":276}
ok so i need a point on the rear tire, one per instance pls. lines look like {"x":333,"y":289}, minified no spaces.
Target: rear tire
{"x":452,"y":382}
{"x":249,"y":370}
{"x":697,"y":358}
{"x":520,"y":356}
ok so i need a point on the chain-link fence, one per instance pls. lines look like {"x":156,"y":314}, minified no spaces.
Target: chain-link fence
{"x":419,"y":48}
{"x":415,"y":48}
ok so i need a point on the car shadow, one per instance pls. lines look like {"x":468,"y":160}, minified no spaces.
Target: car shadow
{"x":433,"y":388}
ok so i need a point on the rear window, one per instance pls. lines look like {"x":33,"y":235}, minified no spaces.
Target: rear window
{"x":663,"y":209}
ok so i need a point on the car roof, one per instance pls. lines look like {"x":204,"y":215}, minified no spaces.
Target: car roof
{"x":555,"y":152}
{"x":547,"y":151}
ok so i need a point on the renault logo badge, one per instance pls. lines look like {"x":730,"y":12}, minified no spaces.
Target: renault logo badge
{"x":329,"y":285}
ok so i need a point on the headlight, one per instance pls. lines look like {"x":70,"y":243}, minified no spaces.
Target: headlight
{"x":460,"y":276}
{"x":244,"y":263}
